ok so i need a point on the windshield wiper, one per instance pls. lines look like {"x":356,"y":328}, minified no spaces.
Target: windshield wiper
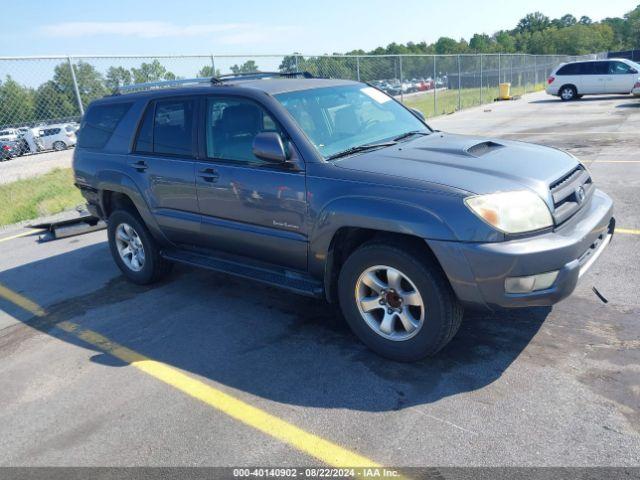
{"x":360,"y":148}
{"x":410,"y":134}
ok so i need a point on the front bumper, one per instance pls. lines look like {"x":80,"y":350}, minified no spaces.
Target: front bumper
{"x":477,"y":271}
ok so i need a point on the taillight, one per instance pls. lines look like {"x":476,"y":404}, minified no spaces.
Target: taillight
{"x":6,"y":147}
{"x":637,"y":85}
{"x":550,"y":80}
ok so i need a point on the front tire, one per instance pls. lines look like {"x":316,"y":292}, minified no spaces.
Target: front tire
{"x":398,"y":302}
{"x":134,"y":249}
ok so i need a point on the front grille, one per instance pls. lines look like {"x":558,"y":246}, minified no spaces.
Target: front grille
{"x":566,"y":193}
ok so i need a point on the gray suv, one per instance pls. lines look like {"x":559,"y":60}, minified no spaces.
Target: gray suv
{"x":333,"y":189}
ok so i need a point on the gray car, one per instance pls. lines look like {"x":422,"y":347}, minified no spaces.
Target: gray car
{"x":333,"y":189}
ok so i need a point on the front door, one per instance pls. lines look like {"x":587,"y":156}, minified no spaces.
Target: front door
{"x":621,"y":78}
{"x":163,"y":166}
{"x":249,"y":206}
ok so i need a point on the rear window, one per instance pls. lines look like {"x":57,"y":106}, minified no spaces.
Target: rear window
{"x":99,"y":123}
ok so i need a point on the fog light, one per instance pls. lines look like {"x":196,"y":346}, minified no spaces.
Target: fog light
{"x":531,"y":283}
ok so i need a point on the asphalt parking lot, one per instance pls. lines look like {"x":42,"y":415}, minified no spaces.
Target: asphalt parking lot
{"x":204,"y":369}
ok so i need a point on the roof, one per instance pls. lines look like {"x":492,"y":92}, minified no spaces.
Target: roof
{"x":274,"y":86}
{"x":600,"y":60}
{"x":271,"y":85}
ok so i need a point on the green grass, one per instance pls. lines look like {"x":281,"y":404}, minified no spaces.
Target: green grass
{"x":447,"y":100}
{"x":34,"y":197}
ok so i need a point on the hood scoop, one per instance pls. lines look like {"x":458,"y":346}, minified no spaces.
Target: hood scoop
{"x":483,"y":148}
{"x":477,"y":150}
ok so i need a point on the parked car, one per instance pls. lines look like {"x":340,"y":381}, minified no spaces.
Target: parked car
{"x":636,"y":88}
{"x":57,"y":137}
{"x":8,"y":150}
{"x":393,"y":89}
{"x":571,"y":81}
{"x":332,"y":189}
{"x":9,"y":134}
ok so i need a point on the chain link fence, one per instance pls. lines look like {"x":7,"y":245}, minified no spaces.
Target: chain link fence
{"x":41,"y":91}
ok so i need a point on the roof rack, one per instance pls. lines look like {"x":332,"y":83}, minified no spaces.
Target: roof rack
{"x":258,"y":75}
{"x":209,"y":80}
{"x":163,"y":84}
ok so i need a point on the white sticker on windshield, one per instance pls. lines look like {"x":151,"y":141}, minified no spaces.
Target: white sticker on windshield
{"x":376,"y":94}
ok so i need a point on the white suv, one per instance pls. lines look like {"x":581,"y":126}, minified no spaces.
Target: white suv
{"x":594,"y":77}
{"x":57,"y":137}
{"x":9,"y":135}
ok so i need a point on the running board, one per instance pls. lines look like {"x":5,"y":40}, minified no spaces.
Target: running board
{"x":292,"y":281}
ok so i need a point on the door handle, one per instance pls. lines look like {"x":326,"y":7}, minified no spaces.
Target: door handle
{"x":140,"y":165}
{"x":209,"y":175}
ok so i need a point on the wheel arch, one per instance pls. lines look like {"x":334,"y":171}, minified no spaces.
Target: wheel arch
{"x":347,"y":224}
{"x":120,"y":191}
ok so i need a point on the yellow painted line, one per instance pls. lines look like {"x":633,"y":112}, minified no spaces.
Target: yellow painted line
{"x":324,"y":450}
{"x":627,"y":230}
{"x":19,"y":235}
{"x":21,"y":301}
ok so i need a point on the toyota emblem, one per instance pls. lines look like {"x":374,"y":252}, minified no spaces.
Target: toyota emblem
{"x":580,"y":194}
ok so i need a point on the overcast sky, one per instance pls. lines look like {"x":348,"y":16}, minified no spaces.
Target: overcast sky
{"x":247,"y":26}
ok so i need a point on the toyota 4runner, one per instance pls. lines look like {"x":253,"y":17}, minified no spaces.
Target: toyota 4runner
{"x":333,"y":189}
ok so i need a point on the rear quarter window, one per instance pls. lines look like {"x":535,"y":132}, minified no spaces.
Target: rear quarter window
{"x":99,"y":123}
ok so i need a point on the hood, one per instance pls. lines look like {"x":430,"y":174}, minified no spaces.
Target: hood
{"x":475,"y":164}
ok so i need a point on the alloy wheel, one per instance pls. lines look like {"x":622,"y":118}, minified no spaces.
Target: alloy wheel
{"x":130,"y":247}
{"x":390,"y":303}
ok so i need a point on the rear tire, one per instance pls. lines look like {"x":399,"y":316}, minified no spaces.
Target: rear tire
{"x":411,"y":289}
{"x":59,"y":145}
{"x":568,"y":93}
{"x":134,"y":250}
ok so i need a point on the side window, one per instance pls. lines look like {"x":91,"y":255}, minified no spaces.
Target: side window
{"x":172,"y":127}
{"x":619,"y":68}
{"x":600,"y":68}
{"x":231,"y":124}
{"x":99,"y":123}
{"x":569,"y":69}
{"x":167,"y":128}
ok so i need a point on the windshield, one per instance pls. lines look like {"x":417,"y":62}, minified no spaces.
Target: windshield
{"x":336,"y":119}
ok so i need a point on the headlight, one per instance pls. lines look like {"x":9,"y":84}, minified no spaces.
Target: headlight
{"x":511,"y":212}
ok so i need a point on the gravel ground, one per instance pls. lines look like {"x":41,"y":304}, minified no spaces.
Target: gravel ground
{"x":32,"y":165}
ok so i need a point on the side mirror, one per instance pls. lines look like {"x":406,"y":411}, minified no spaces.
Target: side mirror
{"x":268,"y":146}
{"x":418,"y":114}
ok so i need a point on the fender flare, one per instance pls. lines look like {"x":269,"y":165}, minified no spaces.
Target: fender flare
{"x":121,"y":183}
{"x":356,"y":212}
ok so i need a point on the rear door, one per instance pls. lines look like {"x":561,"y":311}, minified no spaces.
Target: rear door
{"x":163,"y":164}
{"x":249,"y":206}
{"x":621,"y":77}
{"x":593,"y":76}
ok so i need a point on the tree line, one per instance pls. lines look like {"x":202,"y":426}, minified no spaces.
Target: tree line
{"x":534,"y":34}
